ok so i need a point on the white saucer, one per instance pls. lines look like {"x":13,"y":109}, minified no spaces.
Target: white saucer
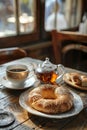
{"x":28,"y":83}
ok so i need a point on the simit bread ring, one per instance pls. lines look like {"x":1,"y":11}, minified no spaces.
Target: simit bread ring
{"x":50,"y":99}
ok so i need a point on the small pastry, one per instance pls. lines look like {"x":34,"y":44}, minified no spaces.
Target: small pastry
{"x":84,"y":80}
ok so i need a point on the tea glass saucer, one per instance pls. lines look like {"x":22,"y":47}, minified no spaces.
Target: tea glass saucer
{"x":28,"y":83}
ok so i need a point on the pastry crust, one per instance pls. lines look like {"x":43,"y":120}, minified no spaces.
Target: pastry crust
{"x":84,"y":80}
{"x":50,"y":99}
{"x":77,"y":79}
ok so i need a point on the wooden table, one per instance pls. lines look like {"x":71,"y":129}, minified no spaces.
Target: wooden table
{"x":9,"y":100}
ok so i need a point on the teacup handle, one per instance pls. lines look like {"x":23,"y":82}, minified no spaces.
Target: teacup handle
{"x":61,"y":71}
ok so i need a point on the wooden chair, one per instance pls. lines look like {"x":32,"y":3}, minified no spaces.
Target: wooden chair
{"x":70,"y":49}
{"x":74,"y":56}
{"x":9,"y":54}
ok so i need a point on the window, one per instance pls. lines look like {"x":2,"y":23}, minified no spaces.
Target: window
{"x":17,"y":17}
{"x":62,"y":14}
{"x":19,"y":22}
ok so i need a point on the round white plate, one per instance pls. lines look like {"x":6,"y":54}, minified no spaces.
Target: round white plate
{"x":28,"y":83}
{"x":66,"y":80}
{"x":78,"y":106}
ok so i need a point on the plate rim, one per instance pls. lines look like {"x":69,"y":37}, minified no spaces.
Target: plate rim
{"x":73,"y":85}
{"x":41,"y":114}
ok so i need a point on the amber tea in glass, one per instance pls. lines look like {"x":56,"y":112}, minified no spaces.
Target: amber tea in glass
{"x":47,"y":77}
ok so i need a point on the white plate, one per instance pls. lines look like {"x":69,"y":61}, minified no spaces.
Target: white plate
{"x":78,"y":106}
{"x":66,"y":80}
{"x":28,"y":83}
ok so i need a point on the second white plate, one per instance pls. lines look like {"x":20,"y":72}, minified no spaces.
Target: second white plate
{"x":66,"y":80}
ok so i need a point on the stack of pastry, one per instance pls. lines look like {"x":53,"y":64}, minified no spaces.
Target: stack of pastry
{"x":77,"y":79}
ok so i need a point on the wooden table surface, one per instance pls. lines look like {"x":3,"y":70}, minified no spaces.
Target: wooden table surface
{"x":9,"y":100}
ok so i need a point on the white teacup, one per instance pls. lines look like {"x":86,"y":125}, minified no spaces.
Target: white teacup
{"x":17,"y":74}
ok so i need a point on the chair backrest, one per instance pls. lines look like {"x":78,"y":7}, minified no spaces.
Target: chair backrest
{"x":9,"y":54}
{"x":68,"y":46}
{"x":74,"y":55}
